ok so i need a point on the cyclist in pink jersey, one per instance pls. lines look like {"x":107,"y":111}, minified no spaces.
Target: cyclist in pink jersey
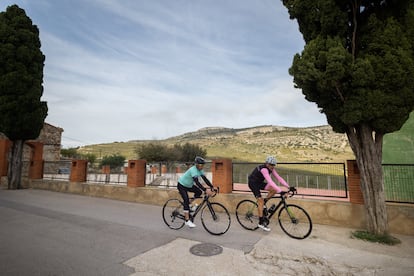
{"x":260,"y":179}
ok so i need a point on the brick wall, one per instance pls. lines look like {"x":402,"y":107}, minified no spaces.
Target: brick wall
{"x":354,"y":183}
{"x":50,"y":137}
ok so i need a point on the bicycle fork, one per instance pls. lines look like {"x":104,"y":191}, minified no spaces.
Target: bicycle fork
{"x":213,"y":213}
{"x":292,"y":217}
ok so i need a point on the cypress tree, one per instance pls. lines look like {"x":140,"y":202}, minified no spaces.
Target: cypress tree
{"x":21,"y":78}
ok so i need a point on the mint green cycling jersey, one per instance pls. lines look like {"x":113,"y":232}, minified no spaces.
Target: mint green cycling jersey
{"x":187,"y":178}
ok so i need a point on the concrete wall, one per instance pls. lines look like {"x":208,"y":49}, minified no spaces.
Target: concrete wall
{"x":336,"y":213}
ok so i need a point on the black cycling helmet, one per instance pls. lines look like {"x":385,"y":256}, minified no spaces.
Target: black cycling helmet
{"x":199,"y":160}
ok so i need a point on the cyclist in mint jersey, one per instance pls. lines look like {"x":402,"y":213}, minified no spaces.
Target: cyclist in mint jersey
{"x":260,"y":179}
{"x":189,"y":182}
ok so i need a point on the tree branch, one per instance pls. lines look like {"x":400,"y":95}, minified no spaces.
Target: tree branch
{"x":338,"y":91}
{"x":355,"y":10}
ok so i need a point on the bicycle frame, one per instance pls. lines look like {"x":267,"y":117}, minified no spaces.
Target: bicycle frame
{"x":199,"y":207}
{"x":215,"y":218}
{"x":281,"y":202}
{"x":293,"y":219}
{"x":205,"y":201}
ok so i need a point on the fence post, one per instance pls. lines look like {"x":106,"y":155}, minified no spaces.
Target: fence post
{"x":106,"y":169}
{"x":136,"y":173}
{"x":79,"y":171}
{"x":354,"y":183}
{"x":154,"y":170}
{"x":222,"y":171}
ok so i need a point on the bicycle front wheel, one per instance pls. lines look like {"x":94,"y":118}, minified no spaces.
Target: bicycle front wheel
{"x":172,"y":214}
{"x":247,"y":214}
{"x":295,"y":221}
{"x":215,"y":218}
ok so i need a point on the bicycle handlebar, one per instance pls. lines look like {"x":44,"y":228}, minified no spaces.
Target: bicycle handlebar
{"x":292,"y":191}
{"x":216,"y":190}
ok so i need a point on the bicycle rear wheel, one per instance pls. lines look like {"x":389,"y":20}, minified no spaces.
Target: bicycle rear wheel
{"x":295,"y":221}
{"x":247,"y":214}
{"x":215,"y":218}
{"x":172,"y":213}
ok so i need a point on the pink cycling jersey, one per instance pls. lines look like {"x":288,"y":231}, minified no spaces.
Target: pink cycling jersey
{"x":270,"y":182}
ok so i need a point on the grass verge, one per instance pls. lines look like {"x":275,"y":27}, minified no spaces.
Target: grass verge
{"x":367,"y":236}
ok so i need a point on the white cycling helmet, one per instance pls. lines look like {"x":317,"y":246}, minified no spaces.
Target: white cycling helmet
{"x":271,"y":160}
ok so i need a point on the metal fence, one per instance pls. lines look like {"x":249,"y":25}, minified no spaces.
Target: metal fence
{"x":57,"y":170}
{"x":168,"y":173}
{"x":310,"y":179}
{"x":161,"y":174}
{"x":399,"y":182}
{"x":60,"y":170}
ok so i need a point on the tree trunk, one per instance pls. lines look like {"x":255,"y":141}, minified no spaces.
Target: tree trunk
{"x":14,"y":172}
{"x":367,"y":147}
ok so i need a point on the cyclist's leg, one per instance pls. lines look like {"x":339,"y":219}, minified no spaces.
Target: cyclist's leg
{"x":186,"y":201}
{"x":271,"y":191}
{"x":255,"y":188}
{"x":197,"y":193}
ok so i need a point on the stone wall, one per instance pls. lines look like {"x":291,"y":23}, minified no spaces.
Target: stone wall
{"x":50,"y":137}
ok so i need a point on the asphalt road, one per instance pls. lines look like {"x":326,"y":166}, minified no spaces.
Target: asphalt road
{"x":49,"y":233}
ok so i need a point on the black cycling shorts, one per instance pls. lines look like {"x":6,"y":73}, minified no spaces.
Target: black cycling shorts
{"x":256,"y":188}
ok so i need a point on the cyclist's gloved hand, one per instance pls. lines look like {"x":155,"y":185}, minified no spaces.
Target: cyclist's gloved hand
{"x":292,"y":189}
{"x":210,"y":192}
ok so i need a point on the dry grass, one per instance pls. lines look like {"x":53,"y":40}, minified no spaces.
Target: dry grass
{"x":318,"y":144}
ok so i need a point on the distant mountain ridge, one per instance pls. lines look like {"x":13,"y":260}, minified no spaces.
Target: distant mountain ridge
{"x":251,"y":144}
{"x":318,"y":143}
{"x":223,"y":130}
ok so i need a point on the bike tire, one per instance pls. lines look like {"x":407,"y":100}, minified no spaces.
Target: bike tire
{"x":247,"y":214}
{"x":295,"y":221}
{"x":172,"y":214}
{"x":215,"y":218}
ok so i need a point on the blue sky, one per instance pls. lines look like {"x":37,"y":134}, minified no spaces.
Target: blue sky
{"x":120,"y":70}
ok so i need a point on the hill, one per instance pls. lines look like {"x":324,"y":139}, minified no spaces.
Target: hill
{"x":398,"y":147}
{"x":288,"y":144}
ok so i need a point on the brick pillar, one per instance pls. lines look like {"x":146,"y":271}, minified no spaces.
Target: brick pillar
{"x":354,"y":183}
{"x":136,"y":173}
{"x":36,"y":161}
{"x":5,"y":145}
{"x":79,"y":171}
{"x":106,"y":169}
{"x":222,"y":170}
{"x":163,"y":169}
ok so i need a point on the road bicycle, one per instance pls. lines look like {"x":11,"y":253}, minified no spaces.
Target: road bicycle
{"x":293,"y":219}
{"x":214,"y":216}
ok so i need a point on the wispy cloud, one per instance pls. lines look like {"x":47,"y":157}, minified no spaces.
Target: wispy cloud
{"x":122,"y":70}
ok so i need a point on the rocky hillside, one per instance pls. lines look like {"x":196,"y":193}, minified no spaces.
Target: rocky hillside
{"x":288,"y":144}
